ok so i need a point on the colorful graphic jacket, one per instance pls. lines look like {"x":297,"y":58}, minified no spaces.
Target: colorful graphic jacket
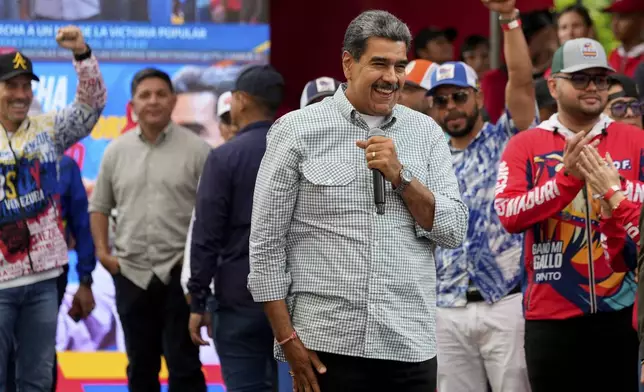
{"x":567,"y":271}
{"x":32,"y":240}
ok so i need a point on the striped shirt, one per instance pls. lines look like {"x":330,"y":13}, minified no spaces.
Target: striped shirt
{"x":355,"y":283}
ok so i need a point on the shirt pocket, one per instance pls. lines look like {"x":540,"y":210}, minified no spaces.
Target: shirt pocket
{"x":328,"y":188}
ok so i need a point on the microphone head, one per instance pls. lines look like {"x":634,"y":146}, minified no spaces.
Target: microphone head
{"x":375,"y":132}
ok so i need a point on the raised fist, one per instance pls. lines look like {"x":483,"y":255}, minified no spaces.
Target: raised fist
{"x":501,"y":6}
{"x":71,"y":37}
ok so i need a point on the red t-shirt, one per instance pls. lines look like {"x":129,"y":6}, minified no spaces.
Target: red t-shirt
{"x":626,"y":63}
{"x":493,"y":86}
{"x":535,"y":197}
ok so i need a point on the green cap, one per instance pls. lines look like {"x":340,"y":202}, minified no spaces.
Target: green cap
{"x":579,"y":54}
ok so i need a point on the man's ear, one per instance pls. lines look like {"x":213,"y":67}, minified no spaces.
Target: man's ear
{"x":348,"y":62}
{"x":479,"y":99}
{"x":552,"y":87}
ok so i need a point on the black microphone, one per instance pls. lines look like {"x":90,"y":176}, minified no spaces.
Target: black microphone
{"x":378,"y":179}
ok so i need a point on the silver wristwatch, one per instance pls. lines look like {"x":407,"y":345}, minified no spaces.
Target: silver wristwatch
{"x":406,"y":177}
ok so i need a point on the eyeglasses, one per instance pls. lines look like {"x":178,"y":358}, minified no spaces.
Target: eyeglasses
{"x":459,"y":98}
{"x":620,"y":109}
{"x":581,"y":81}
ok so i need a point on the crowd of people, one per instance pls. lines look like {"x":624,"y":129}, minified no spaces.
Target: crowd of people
{"x":426,"y":225}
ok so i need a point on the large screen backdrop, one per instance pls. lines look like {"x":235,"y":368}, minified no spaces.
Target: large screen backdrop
{"x":202,"y":44}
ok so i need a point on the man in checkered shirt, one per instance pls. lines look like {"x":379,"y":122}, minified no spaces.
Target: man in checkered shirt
{"x":350,"y":294}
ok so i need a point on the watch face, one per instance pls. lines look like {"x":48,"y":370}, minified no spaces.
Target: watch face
{"x":407,"y":176}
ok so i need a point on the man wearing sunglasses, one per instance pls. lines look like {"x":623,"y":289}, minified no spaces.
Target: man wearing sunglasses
{"x":578,"y":332}
{"x":479,"y":319}
{"x":623,"y":101}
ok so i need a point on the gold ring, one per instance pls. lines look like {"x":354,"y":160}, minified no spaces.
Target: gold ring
{"x":373,"y":155}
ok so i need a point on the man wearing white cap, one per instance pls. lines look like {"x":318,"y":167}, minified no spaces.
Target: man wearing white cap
{"x":318,"y":89}
{"x":226,"y":127}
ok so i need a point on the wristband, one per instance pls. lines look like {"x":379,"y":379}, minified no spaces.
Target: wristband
{"x":292,"y":337}
{"x":515,"y":24}
{"x":611,"y":191}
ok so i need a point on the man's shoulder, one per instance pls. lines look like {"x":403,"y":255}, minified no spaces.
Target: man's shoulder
{"x":405,"y":114}
{"x":536,"y":135}
{"x":630,"y":134}
{"x":189,"y":136}
{"x":317,"y":113}
{"x":624,"y":130}
{"x":121,"y":144}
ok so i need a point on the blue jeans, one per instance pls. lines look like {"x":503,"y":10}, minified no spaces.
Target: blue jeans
{"x":244,"y":343}
{"x":28,"y":317}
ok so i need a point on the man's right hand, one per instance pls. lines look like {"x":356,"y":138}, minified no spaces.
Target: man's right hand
{"x":302,"y":361}
{"x":110,"y":263}
{"x":572,"y":151}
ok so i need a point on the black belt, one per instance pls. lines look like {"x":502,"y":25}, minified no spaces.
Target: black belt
{"x":475,"y":296}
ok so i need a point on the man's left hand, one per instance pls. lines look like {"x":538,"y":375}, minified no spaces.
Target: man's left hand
{"x":381,"y":155}
{"x":82,"y":304}
{"x":71,"y":37}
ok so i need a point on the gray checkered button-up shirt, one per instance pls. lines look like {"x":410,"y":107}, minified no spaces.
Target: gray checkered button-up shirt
{"x":355,"y":283}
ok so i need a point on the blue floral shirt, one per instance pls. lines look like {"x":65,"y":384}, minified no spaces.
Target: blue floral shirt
{"x":490,"y":257}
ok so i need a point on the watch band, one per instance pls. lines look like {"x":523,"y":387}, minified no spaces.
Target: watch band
{"x":403,"y":184}
{"x":84,"y":56}
{"x":513,"y":18}
{"x":86,"y":280}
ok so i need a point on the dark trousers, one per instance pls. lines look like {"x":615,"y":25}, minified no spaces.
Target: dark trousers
{"x":155,"y":323}
{"x":244,"y":343}
{"x":352,"y":374}
{"x":588,"y":353}
{"x":61,"y":282}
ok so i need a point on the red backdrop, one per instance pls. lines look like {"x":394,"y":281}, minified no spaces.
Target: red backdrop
{"x":306,"y":35}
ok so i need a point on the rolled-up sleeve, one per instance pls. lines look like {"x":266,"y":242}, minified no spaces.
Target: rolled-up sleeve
{"x":77,"y":120}
{"x":273,"y":204}
{"x":450,"y":213}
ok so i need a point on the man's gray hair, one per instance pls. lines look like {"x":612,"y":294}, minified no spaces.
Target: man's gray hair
{"x":374,"y":23}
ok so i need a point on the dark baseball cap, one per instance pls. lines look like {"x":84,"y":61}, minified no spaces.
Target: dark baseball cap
{"x":261,"y":81}
{"x":15,"y":64}
{"x":628,"y":84}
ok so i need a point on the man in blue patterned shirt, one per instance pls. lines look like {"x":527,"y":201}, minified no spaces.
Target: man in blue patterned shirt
{"x":479,"y":320}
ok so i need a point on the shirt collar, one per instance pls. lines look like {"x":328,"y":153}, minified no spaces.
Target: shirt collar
{"x":552,"y":124}
{"x":162,"y":136}
{"x":256,"y":125}
{"x":349,"y":112}
{"x":636,"y":51}
{"x":479,"y":136}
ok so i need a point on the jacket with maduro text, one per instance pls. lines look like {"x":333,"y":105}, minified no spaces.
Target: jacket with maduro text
{"x":32,"y":238}
{"x":565,"y":277}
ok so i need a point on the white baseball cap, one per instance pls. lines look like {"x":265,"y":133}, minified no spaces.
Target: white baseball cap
{"x":223,"y":103}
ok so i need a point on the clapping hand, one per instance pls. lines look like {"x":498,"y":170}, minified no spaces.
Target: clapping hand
{"x":598,"y":172}
{"x":572,"y":151}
